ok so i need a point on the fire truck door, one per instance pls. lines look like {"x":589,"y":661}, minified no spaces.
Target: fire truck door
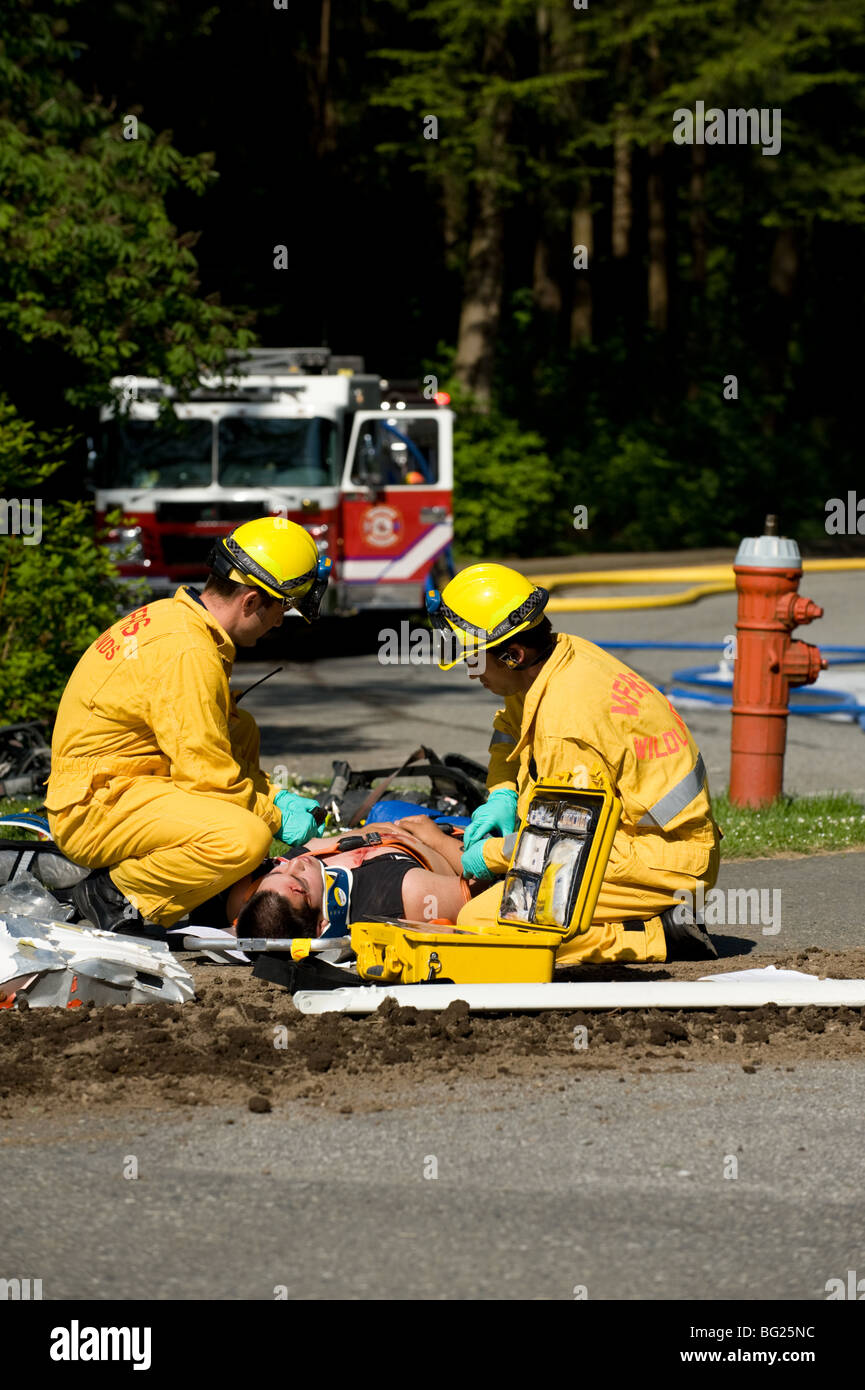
{"x":396,"y":498}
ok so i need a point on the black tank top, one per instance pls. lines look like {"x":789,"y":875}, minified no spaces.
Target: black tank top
{"x":376,"y":889}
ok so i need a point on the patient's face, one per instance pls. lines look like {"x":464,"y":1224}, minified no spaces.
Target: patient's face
{"x":299,"y":880}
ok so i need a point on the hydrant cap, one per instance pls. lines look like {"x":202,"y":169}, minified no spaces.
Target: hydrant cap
{"x":769,"y":552}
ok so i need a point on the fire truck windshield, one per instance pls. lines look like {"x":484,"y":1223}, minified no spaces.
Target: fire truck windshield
{"x":252,"y":451}
{"x":265,"y":450}
{"x":156,"y":453}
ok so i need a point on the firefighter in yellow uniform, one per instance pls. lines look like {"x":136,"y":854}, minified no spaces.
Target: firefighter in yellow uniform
{"x":574,"y":713}
{"x":155,"y":779}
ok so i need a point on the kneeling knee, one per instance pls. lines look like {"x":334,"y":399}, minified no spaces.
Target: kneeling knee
{"x":243,"y":841}
{"x":252,"y":845}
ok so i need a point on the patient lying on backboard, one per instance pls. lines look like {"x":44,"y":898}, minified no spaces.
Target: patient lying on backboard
{"x":298,"y":895}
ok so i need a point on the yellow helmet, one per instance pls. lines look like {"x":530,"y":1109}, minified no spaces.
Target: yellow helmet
{"x":278,"y":557}
{"x":483,"y":605}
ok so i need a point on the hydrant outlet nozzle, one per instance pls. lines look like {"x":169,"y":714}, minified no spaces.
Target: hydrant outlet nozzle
{"x":794,"y":610}
{"x":802,"y":663}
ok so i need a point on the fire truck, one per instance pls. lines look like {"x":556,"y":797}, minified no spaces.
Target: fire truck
{"x":364,"y":464}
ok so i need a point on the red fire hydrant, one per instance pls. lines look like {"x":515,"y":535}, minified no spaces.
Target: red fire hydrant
{"x":768,"y":662}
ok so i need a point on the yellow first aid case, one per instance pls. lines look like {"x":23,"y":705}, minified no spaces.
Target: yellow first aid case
{"x":549,"y":896}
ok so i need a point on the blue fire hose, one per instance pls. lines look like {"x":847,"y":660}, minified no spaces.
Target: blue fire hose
{"x":824,"y":701}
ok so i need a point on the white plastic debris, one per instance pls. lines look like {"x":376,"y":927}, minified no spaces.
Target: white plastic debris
{"x":224,"y":943}
{"x":25,"y":896}
{"x":51,"y":963}
{"x":739,"y":989}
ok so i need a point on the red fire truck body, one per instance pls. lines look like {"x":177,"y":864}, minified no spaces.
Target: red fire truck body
{"x":366,"y":469}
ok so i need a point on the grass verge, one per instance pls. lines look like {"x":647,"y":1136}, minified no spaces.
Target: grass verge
{"x":792,"y":825}
{"x":8,"y":807}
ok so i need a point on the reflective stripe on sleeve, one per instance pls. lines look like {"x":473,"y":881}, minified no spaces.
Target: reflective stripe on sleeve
{"x":676,"y":800}
{"x":508,"y":844}
{"x":499,"y":737}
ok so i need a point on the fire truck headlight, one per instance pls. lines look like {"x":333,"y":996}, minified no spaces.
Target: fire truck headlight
{"x":319,"y":534}
{"x":124,"y":545}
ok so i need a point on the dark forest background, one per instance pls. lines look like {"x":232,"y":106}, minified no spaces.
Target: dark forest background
{"x":601,"y":386}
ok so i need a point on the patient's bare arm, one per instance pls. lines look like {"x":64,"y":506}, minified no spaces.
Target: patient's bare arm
{"x":424,"y":828}
{"x":440,"y":850}
{"x":320,"y":842}
{"x":426,"y":896}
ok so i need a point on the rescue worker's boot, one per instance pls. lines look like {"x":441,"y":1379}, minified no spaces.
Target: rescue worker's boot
{"x":102,"y":903}
{"x":686,"y":936}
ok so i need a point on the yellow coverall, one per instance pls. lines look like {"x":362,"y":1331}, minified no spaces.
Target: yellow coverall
{"x":588,"y":714}
{"x":154,"y":769}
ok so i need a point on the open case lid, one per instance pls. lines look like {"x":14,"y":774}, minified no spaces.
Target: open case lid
{"x":559,"y":860}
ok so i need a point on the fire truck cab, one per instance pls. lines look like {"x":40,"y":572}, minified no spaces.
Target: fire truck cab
{"x":365,"y":465}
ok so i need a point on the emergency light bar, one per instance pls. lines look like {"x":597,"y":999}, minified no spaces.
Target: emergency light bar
{"x":309,"y":361}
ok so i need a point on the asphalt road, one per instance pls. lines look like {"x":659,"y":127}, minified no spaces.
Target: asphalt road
{"x":812,"y":901}
{"x":617,"y":1186}
{"x":340,"y":701}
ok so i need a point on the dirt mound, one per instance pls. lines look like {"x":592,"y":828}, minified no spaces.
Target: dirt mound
{"x":242,"y":1041}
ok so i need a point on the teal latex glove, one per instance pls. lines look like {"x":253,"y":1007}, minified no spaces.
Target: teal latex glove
{"x":297,"y":822}
{"x":473,"y":863}
{"x":497,"y":816}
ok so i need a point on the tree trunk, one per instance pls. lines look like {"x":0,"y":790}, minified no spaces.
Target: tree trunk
{"x":658,"y":288}
{"x":326,"y":114}
{"x":545,"y":289}
{"x":482,"y":294}
{"x":621,"y":195}
{"x":784,"y":264}
{"x":697,"y":295}
{"x":454,"y":212}
{"x":783,"y":269}
{"x":622,"y":206}
{"x":698,"y":219}
{"x":582,"y":233}
{"x":548,"y":296}
{"x":482,"y":286}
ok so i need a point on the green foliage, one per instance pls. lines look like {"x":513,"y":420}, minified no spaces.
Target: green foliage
{"x":504,"y":484}
{"x":56,"y":597}
{"x":648,"y":487}
{"x":94,"y":279}
{"x":636,"y":425}
{"x":93,"y":275}
{"x":26,"y":452}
